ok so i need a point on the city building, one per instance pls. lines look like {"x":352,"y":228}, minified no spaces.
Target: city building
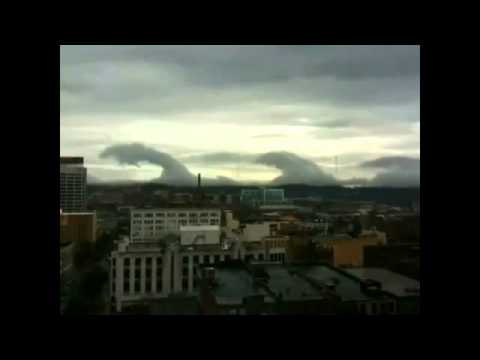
{"x":405,"y":291}
{"x":196,"y":235}
{"x":355,"y":296}
{"x":73,"y":184}
{"x":66,"y":258}
{"x":400,"y":258}
{"x":348,"y":251}
{"x":81,"y":226}
{"x":232,"y":290}
{"x":150,"y":224}
{"x":264,"y":196}
{"x":151,"y":270}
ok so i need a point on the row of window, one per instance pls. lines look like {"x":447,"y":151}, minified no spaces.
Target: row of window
{"x":275,"y":243}
{"x":377,"y":308}
{"x":138,"y":261}
{"x":127,"y":289}
{"x":172,"y":215}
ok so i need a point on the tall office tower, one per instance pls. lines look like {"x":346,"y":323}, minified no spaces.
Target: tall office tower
{"x":73,"y":184}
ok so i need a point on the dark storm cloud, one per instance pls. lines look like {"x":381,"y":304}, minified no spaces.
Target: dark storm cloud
{"x":168,"y":79}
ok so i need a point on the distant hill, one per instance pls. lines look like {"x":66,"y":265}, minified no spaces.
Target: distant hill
{"x":385,"y":195}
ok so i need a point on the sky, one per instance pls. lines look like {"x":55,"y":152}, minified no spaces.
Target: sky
{"x":243,"y":113}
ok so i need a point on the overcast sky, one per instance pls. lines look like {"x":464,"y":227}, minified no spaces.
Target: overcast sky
{"x":217,"y":108}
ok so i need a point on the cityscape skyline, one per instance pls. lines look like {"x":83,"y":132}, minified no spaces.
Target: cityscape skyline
{"x":218,"y":109}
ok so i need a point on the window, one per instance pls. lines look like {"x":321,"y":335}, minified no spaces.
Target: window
{"x":149,"y":262}
{"x":260,"y":256}
{"x":185,"y":260}
{"x":171,"y":215}
{"x":137,"y":286}
{"x":138,"y":261}
{"x":192,"y":214}
{"x":160,"y":214}
{"x":213,"y":214}
{"x":185,"y":272}
{"x":148,"y":287}
{"x":383,"y":308}
{"x":149,"y":215}
{"x":159,"y":285}
{"x":216,"y":258}
{"x":137,"y":215}
{"x":203,"y":214}
{"x":126,"y":273}
{"x":159,"y":221}
{"x":126,"y":262}
{"x":182,"y":215}
{"x":159,"y":262}
{"x":159,"y":228}
{"x":206,"y":259}
{"x":227,"y":257}
{"x":114,"y":261}
{"x":137,"y":274}
{"x":113,"y":287}
{"x":148,"y":222}
{"x":114,"y":273}
{"x":126,"y":287}
{"x":185,"y":284}
{"x":391,"y":308}
{"x":195,"y":259}
{"x":137,"y":221}
{"x":374,"y":308}
{"x":148,"y":273}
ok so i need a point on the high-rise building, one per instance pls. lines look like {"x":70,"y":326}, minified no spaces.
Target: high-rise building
{"x":73,"y":184}
{"x":264,"y":196}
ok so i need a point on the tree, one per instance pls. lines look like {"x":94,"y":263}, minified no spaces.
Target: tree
{"x":83,"y":254}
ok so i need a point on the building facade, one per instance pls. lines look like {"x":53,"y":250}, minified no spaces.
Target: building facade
{"x":76,"y":227}
{"x":73,"y":184}
{"x":151,"y":224}
{"x":264,"y":196}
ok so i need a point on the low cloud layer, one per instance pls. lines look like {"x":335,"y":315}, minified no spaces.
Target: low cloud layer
{"x":174,"y":172}
{"x":295,"y":170}
{"x":395,"y":171}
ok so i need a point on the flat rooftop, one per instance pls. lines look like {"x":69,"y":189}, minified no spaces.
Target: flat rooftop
{"x":392,"y":283}
{"x":290,"y":285}
{"x":234,"y":285}
{"x":347,"y":288}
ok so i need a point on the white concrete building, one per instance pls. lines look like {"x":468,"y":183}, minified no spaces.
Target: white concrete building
{"x":199,"y":235}
{"x":150,"y":224}
{"x":257,"y":231}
